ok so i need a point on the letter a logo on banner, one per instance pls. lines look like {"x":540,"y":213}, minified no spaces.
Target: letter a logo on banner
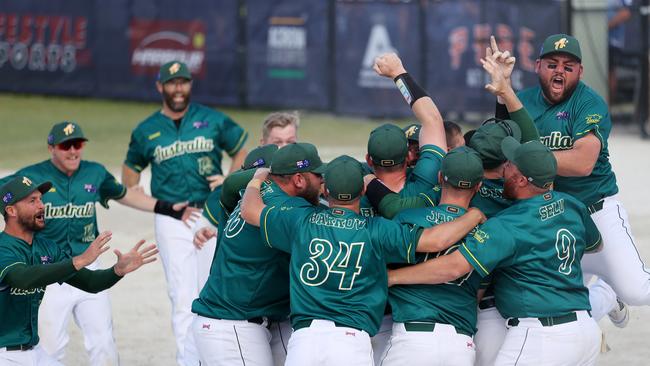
{"x":378,"y":44}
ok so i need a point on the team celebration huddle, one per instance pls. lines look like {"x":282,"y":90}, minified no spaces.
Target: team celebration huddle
{"x":500,"y":246}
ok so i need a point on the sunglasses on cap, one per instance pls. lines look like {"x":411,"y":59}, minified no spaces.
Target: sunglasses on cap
{"x":67,"y":145}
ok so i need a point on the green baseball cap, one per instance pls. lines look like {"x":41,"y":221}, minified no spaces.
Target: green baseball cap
{"x":344,"y":178}
{"x":561,"y":43}
{"x":387,"y":145}
{"x":260,"y":157}
{"x":462,"y":168}
{"x":19,"y":188}
{"x":412,"y":132}
{"x":299,"y":157}
{"x":534,"y":160}
{"x":172,"y":70}
{"x":487,"y":140}
{"x":65,"y":131}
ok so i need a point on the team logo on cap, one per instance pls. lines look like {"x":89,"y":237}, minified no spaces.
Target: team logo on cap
{"x":174,"y":68}
{"x":464,"y":184}
{"x":7,"y":197}
{"x":68,"y":129}
{"x":27,"y":181}
{"x":410,"y":132}
{"x":561,"y":43}
{"x":301,"y":164}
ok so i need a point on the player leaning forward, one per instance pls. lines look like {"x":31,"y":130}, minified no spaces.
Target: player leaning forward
{"x":338,"y":264}
{"x":183,"y":142}
{"x":29,"y":262}
{"x":533,"y":250}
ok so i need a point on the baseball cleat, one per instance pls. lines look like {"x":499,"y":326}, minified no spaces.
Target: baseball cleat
{"x":620,"y":316}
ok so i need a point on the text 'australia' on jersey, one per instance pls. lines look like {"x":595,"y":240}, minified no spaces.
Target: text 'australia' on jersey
{"x":182,"y":158}
{"x":451,"y":303}
{"x":338,"y":261}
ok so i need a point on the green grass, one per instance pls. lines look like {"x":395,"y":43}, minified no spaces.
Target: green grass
{"x":26,"y":120}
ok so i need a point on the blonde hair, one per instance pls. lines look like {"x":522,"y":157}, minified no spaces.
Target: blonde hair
{"x":279,"y":119}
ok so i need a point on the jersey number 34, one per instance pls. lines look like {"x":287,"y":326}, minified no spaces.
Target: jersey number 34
{"x":324,"y":261}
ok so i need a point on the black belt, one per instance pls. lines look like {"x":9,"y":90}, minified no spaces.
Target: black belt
{"x":429,"y":327}
{"x":20,"y":347}
{"x":257,"y":320}
{"x":307,"y":323}
{"x":551,"y":320}
{"x":593,"y":208}
{"x":487,"y":303}
{"x":196,"y":204}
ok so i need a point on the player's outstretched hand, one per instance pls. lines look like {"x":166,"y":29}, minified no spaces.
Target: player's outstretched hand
{"x":389,"y":65}
{"x":134,"y":259}
{"x":202,"y":236}
{"x":503,"y":58}
{"x":186,"y":214}
{"x":215,"y":180}
{"x":261,"y":173}
{"x":94,"y":250}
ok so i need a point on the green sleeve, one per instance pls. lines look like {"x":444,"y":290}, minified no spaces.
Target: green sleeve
{"x":231,"y":137}
{"x":593,"y":116}
{"x":488,"y":247}
{"x":279,"y":224}
{"x":392,"y":204}
{"x":525,"y":122}
{"x":94,"y":281}
{"x":398,"y":241}
{"x":425,"y":174}
{"x":110,"y":189}
{"x":135,"y":158}
{"x":212,"y":209}
{"x":27,"y":277}
{"x":232,"y":185}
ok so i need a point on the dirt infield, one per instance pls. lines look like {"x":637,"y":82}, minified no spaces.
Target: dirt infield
{"x":141,"y":309}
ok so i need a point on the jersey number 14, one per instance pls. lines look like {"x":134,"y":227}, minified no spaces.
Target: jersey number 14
{"x":324,"y":260}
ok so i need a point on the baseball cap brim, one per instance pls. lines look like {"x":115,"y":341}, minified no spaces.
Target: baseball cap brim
{"x":44,"y":187}
{"x":71,"y":138}
{"x":320,"y":170}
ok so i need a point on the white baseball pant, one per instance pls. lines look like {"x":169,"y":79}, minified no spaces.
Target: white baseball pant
{"x":186,"y":271}
{"x":323,"y":343}
{"x":33,"y":357}
{"x":601,"y":297}
{"x":91,"y":312}
{"x":576,"y":343}
{"x":618,"y":263}
{"x":489,"y":336}
{"x":440,"y":346}
{"x":380,"y":340}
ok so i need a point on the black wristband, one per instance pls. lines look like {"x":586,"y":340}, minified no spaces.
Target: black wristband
{"x":376,"y":191}
{"x":410,"y":90}
{"x":501,"y":111}
{"x":167,"y":208}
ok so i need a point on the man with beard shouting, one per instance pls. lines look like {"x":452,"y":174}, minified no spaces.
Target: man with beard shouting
{"x":184,"y":143}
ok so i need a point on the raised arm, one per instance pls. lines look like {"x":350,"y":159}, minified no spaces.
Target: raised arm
{"x":252,"y":204}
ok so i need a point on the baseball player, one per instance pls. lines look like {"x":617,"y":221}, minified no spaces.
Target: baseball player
{"x":574,"y":122}
{"x":183,"y":142}
{"x":77,"y":185}
{"x":244,"y":305}
{"x":436,"y":322}
{"x":280,"y":128}
{"x":338,"y":264}
{"x":29,"y":262}
{"x":533,"y":249}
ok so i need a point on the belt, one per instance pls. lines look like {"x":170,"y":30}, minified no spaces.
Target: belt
{"x":487,"y":303}
{"x":196,"y":204}
{"x":429,"y":327}
{"x":307,"y":323}
{"x":20,"y":347}
{"x":593,"y":208}
{"x":551,"y":320}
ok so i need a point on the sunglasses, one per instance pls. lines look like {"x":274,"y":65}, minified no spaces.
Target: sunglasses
{"x":67,"y":145}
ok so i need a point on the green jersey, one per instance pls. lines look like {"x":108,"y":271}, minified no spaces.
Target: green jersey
{"x":561,"y":125}
{"x":19,"y":307}
{"x":182,"y":157}
{"x":213,"y":210}
{"x":451,"y":303}
{"x":536,"y":245}
{"x":70,"y":216}
{"x":247,"y":278}
{"x":338,"y":261}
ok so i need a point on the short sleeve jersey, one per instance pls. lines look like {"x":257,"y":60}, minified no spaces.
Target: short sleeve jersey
{"x":70,"y":215}
{"x":535,"y":246}
{"x":338,"y":261}
{"x":181,"y":158}
{"x":247,"y":278}
{"x":19,"y":307}
{"x":562,"y":124}
{"x":453,"y":302}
